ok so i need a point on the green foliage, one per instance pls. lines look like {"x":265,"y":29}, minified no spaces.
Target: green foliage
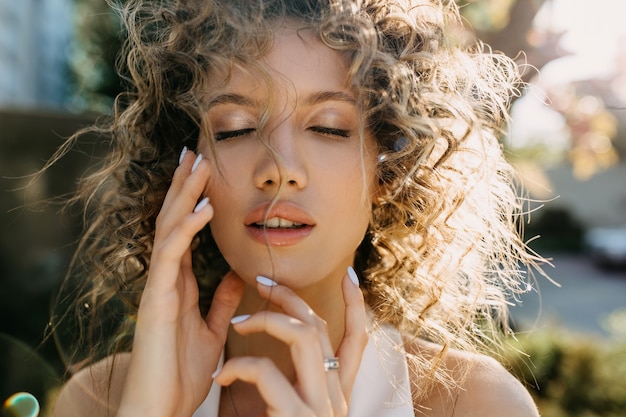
{"x":572,"y":375}
{"x":558,"y":229}
{"x":93,"y":60}
{"x":487,"y":15}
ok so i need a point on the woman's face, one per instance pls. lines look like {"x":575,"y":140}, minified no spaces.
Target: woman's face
{"x":320,"y":175}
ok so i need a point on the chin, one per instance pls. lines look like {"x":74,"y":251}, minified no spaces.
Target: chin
{"x":290,"y":273}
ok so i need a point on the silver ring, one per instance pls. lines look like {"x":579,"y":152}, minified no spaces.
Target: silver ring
{"x":331,"y":364}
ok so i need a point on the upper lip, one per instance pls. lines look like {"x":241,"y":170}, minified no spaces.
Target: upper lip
{"x":281,"y":209}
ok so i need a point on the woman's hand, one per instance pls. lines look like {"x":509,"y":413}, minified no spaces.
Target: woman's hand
{"x":317,"y":392}
{"x":175,"y":350}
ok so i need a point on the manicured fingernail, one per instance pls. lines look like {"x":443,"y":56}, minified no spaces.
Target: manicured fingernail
{"x":265,"y":281}
{"x":216,"y":373}
{"x":353,"y":276}
{"x":202,"y":204}
{"x":239,"y":319}
{"x":196,"y":162}
{"x":182,"y":155}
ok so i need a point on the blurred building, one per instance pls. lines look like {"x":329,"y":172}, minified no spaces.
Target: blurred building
{"x":34,"y":40}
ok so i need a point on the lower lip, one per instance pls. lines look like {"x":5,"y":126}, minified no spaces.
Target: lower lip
{"x":279,"y":237}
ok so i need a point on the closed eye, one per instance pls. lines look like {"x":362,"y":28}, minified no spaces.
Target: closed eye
{"x":329,"y":131}
{"x":229,"y":134}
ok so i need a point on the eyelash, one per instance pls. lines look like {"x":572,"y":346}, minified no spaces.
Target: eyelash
{"x":229,"y":134}
{"x":327,"y":131}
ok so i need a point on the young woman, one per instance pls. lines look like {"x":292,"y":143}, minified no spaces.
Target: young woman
{"x":336,"y":237}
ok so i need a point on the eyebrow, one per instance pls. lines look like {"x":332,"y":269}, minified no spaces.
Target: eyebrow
{"x":313,"y":99}
{"x":232,"y":98}
{"x":322,"y":96}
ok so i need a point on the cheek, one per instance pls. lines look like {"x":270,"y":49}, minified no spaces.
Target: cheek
{"x":359,"y":178}
{"x":223,"y":224}
{"x":227,"y":172}
{"x":352,"y":195}
{"x":224,"y":201}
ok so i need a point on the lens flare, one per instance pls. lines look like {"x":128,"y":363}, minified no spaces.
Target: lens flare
{"x":21,"y":404}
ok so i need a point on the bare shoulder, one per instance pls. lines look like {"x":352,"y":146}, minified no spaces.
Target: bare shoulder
{"x":95,"y":390}
{"x":490,"y":390}
{"x":486,"y":389}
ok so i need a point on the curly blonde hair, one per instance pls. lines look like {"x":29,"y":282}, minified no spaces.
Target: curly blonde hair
{"x":443,"y":248}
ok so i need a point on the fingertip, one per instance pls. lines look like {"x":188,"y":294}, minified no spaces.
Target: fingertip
{"x":351,"y":286}
{"x":201,"y":205}
{"x":196,"y":162}
{"x":265,"y":281}
{"x":230,"y":290}
{"x":183,"y":153}
{"x":354,"y":299}
{"x":354,"y":278}
{"x":224,"y":305}
{"x":231,"y":287}
{"x":185,"y":158}
{"x":235,"y":280}
{"x":221,"y":378}
{"x":239,"y":319}
{"x":234,"y":277}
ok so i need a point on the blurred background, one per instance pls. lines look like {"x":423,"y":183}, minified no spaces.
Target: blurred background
{"x":567,"y":140}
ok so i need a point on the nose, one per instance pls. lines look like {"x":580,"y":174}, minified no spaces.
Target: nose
{"x":281,"y":161}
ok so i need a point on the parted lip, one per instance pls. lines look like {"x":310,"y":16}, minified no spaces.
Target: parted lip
{"x":283,"y":209}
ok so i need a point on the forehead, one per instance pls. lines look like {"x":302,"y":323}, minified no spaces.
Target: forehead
{"x":297,"y":60}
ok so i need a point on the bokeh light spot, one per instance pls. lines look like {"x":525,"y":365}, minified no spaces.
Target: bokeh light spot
{"x":21,"y":404}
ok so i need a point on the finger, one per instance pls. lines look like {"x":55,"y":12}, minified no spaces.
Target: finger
{"x":224,"y":304}
{"x":293,"y":305}
{"x":279,"y":396}
{"x":353,"y":343}
{"x":169,"y":251}
{"x":302,"y":338}
{"x":320,"y":390}
{"x":183,"y":170}
{"x":186,"y":190}
{"x":355,"y":337}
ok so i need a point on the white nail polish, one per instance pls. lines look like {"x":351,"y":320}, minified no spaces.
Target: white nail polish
{"x":196,"y":162}
{"x":239,"y":319}
{"x":216,"y":373}
{"x":265,"y":281}
{"x":182,"y":155}
{"x":353,"y":276}
{"x":202,"y":204}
